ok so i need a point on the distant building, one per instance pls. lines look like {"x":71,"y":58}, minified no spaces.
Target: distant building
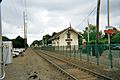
{"x":67,"y":37}
{"x":7,"y":52}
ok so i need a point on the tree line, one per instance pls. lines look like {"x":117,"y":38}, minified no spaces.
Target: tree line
{"x":45,"y":40}
{"x":18,"y":42}
{"x":103,"y":37}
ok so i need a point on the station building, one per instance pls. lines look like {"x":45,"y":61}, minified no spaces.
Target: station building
{"x":67,"y":38}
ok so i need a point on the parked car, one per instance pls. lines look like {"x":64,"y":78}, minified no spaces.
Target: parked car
{"x":116,"y":48}
{"x":15,"y":54}
{"x":20,"y":50}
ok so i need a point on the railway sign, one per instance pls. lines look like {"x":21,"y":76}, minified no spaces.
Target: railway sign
{"x":108,"y":27}
{"x":68,"y":39}
{"x":109,"y":31}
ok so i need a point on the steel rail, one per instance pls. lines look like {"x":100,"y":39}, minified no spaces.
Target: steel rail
{"x":82,"y":68}
{"x":58,"y":68}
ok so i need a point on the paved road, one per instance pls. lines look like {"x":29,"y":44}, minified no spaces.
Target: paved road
{"x":31,"y":67}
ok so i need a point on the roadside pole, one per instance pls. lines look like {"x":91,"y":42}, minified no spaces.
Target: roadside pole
{"x":110,"y":55}
{"x":0,"y":44}
{"x":1,"y":63}
{"x":88,"y":46}
{"x":97,"y":25}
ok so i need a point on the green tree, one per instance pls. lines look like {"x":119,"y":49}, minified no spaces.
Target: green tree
{"x":116,"y":38}
{"x":19,"y":42}
{"x":53,"y":34}
{"x":92,"y":33}
{"x":92,"y":40}
{"x":80,"y":38}
{"x":46,"y":40}
{"x":40,"y":42}
{"x":35,"y":42}
{"x":4,"y":38}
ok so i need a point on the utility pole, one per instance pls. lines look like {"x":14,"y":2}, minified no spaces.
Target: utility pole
{"x":25,"y":29}
{"x":110,"y":55}
{"x":97,"y":25}
{"x":108,"y":11}
{"x":88,"y":31}
{"x":1,"y":72}
{"x":88,"y":46}
{"x":25,"y":22}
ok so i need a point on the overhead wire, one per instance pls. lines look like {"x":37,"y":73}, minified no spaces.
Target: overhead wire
{"x":25,"y":8}
{"x":93,"y":10}
{"x":12,"y":3}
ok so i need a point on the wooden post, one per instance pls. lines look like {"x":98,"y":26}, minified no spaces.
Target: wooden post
{"x":97,"y":25}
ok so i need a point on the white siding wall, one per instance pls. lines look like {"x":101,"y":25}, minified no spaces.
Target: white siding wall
{"x":62,"y":40}
{"x":54,"y":43}
{"x":74,"y":38}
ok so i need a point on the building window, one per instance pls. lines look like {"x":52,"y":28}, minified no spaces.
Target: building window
{"x":57,"y":43}
{"x":68,"y":34}
{"x":68,"y":44}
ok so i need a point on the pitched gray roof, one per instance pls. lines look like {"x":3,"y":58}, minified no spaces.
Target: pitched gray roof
{"x":59,"y":33}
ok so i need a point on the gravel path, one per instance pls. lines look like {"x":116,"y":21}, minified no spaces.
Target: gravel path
{"x":31,"y":67}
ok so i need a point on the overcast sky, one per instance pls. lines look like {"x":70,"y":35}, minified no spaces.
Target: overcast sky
{"x":48,"y":16}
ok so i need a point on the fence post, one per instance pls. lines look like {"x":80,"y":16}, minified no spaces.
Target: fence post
{"x":119,"y":59}
{"x":53,"y":49}
{"x":58,"y":49}
{"x":88,"y":52}
{"x":63,"y":50}
{"x":66,"y":50}
{"x":77,"y":51}
{"x":97,"y":53}
{"x":70,"y":51}
{"x":74,"y":51}
{"x":110,"y":56}
{"x":81,"y":54}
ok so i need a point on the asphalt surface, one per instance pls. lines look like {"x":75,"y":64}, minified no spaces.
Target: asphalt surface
{"x":30,"y":66}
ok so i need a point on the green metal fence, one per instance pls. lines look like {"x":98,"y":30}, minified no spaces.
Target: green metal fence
{"x":91,"y":53}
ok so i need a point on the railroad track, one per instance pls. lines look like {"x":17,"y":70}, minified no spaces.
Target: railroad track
{"x":70,"y":70}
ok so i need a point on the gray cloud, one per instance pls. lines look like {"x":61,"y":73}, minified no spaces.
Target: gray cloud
{"x":114,"y":7}
{"x":47,"y":16}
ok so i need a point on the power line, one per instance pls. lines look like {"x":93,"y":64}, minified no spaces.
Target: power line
{"x":15,"y":8}
{"x":25,"y":22}
{"x":25,"y":6}
{"x":87,"y":16}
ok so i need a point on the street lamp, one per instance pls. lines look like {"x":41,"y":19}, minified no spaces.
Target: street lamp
{"x":2,"y":72}
{"x":1,"y":67}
